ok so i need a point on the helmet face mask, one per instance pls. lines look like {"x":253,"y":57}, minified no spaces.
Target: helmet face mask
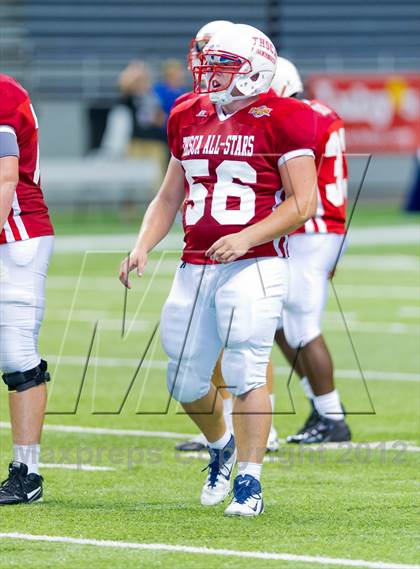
{"x":217,"y":71}
{"x":235,"y":64}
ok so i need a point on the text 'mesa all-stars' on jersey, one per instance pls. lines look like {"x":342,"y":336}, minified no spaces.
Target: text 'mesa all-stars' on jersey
{"x":231,"y":165}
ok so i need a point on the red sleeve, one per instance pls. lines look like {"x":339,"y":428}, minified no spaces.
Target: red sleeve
{"x":296,"y":127}
{"x":173,"y":134}
{"x":13,"y":102}
{"x":9,"y":115}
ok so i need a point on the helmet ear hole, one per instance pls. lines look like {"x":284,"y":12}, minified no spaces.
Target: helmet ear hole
{"x":255,"y":77}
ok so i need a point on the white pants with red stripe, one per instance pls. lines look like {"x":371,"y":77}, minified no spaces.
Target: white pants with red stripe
{"x":312,"y":258}
{"x":234,"y":307}
{"x":23,"y":272}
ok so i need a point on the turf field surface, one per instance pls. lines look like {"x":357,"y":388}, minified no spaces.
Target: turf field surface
{"x":356,"y":503}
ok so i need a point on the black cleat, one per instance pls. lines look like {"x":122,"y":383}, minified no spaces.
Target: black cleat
{"x":20,"y":487}
{"x":195,"y":444}
{"x":190,"y":446}
{"x":310,"y":422}
{"x":324,"y":431}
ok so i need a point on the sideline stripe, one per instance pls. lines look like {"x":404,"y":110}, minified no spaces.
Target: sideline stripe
{"x":369,"y":445}
{"x":208,"y":551}
{"x":85,"y":467}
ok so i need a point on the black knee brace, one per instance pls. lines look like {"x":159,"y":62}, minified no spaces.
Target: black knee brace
{"x":23,"y":380}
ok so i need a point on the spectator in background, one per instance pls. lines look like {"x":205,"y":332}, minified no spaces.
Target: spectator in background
{"x":137,"y":114}
{"x":173,"y":84}
{"x":413,"y":199}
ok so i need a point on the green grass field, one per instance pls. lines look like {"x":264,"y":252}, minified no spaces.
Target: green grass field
{"x":358,"y":502}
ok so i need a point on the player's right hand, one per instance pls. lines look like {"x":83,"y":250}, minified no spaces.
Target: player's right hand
{"x":136,"y":260}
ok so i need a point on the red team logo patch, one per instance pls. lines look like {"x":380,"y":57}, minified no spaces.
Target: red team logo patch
{"x":262,"y":111}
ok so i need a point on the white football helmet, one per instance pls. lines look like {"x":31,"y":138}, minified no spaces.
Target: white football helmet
{"x":286,"y":81}
{"x":243,"y":57}
{"x":201,"y":39}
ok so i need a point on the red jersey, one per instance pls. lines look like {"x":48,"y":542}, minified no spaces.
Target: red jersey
{"x":29,"y":215}
{"x":231,"y":165}
{"x":332,"y":172}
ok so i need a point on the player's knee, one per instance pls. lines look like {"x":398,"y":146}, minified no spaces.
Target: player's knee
{"x":184,"y":383}
{"x":299,"y":334}
{"x":21,"y":381}
{"x":13,"y":299}
{"x":243,"y":370}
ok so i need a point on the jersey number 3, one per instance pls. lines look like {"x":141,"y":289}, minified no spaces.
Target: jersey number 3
{"x":224,"y":188}
{"x":336,"y":192}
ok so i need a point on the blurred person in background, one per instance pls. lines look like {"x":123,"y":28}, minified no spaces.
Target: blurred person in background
{"x":137,"y":115}
{"x":413,"y":197}
{"x":26,"y":244}
{"x":172,"y":85}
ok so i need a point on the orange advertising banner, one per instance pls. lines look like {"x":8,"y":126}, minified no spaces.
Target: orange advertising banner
{"x":381,"y":112}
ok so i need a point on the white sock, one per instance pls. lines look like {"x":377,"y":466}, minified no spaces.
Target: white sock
{"x":227,"y":413}
{"x":251,"y":468}
{"x":306,"y":386}
{"x":222,"y":442}
{"x":329,"y":406}
{"x":273,"y":400}
{"x":29,"y":455}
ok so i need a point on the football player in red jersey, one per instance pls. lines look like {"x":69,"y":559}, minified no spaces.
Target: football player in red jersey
{"x":26,"y":242}
{"x":199,"y":442}
{"x":314,"y":252}
{"x":232,"y":153}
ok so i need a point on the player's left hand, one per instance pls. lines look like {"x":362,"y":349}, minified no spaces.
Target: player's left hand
{"x":229,"y":248}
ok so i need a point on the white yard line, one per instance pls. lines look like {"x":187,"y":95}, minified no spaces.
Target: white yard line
{"x":380,"y":263}
{"x":397,"y":446}
{"x":410,"y":312}
{"x":161,"y":365}
{"x":364,"y":448}
{"x":405,"y":234}
{"x":378,"y":291}
{"x":333,"y":321}
{"x":373,"y":327}
{"x":209,"y":551}
{"x":108,"y":431}
{"x":163,"y":281}
{"x":85,"y":467}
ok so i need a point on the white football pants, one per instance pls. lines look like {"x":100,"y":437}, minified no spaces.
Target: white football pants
{"x":23,"y":271}
{"x":312,"y":258}
{"x":234,"y":307}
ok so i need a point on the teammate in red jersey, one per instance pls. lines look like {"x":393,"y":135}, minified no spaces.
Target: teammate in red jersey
{"x":314,"y":250}
{"x":26,"y":241}
{"x":231,"y":155}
